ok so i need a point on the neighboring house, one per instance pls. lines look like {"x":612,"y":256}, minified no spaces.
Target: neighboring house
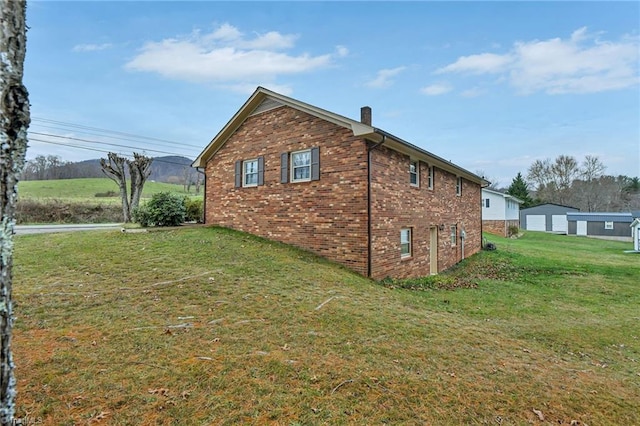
{"x":289,"y":171}
{"x":616,"y":226}
{"x":547,"y":217}
{"x":499,"y":212}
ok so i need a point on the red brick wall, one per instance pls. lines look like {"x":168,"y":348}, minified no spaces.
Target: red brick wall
{"x":499,"y":227}
{"x":396,"y":205}
{"x":328,"y":216}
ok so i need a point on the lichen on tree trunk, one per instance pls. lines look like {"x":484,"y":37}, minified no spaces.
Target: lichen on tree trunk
{"x":14,"y":122}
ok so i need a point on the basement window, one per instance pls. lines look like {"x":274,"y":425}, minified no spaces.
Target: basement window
{"x":405,"y":243}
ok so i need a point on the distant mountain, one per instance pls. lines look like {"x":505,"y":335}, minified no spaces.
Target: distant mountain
{"x":171,"y":169}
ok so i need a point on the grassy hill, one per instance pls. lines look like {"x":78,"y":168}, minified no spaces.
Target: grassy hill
{"x":86,"y":189}
{"x":208,"y":326}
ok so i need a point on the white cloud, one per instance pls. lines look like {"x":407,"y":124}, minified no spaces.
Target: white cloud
{"x":91,"y":47}
{"x":226,"y":56}
{"x":583,"y":63}
{"x":384,"y":78}
{"x":436,"y":89}
{"x":342,"y":51}
{"x":478,"y":64}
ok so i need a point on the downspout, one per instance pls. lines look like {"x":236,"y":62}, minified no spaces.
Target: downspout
{"x":369,"y":231}
{"x":204,"y":194}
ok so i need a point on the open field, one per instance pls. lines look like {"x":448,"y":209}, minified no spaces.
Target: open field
{"x":86,"y":189}
{"x":208,"y":326}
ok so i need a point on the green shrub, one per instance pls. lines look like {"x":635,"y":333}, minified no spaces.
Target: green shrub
{"x":163,"y":209}
{"x":513,"y":230}
{"x":194,"y":209}
{"x":142,"y":215}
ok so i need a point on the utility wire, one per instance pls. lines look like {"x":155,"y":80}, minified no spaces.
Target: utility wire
{"x":102,"y":143}
{"x":115,"y":132}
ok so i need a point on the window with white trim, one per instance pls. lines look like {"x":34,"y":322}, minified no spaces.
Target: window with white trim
{"x":608,"y":225}
{"x":301,"y":166}
{"x":405,"y":243}
{"x":414,"y":173}
{"x":486,"y":202}
{"x":250,"y":172}
{"x":459,"y":186}
{"x":430,"y":177}
{"x":454,"y":234}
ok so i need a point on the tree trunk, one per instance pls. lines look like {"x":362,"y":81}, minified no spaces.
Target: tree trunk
{"x":14,"y":121}
{"x":113,"y":167}
{"x":139,"y":169}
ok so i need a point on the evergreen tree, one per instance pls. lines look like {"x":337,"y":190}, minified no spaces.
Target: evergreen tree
{"x":520,"y":189}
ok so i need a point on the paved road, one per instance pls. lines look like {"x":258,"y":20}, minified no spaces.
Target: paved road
{"x":40,"y":229}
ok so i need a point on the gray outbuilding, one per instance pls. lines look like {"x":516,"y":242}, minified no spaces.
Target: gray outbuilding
{"x":604,"y":225}
{"x":547,"y":217}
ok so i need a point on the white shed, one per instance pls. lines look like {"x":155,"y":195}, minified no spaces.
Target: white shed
{"x":635,"y":232}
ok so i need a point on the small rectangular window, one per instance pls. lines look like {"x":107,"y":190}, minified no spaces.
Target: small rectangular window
{"x":486,"y":203}
{"x":430,"y":177}
{"x":414,"y":173}
{"x":454,"y":234}
{"x":301,"y":166}
{"x":405,"y":242}
{"x":608,"y":225}
{"x":250,"y":172}
{"x":459,"y":186}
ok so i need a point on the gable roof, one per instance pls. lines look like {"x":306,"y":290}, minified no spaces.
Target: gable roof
{"x":503,"y":194}
{"x":552,"y":204}
{"x":263,"y":100}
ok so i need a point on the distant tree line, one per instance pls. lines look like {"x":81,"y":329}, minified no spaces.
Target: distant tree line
{"x":583,"y":185}
{"x":53,"y":167}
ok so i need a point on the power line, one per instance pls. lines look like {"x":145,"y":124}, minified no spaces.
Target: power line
{"x":102,"y":143}
{"x":115,"y":132}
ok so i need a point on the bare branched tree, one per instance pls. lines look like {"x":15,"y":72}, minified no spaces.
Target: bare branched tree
{"x":115,"y":168}
{"x":14,"y":121}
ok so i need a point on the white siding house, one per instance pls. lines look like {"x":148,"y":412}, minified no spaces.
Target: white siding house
{"x":499,"y":212}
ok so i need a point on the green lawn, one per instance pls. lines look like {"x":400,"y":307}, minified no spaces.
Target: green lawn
{"x":208,"y":326}
{"x":81,"y":190}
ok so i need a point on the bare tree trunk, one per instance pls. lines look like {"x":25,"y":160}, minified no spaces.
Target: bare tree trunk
{"x":14,"y":121}
{"x":113,"y":167}
{"x":140,"y":169}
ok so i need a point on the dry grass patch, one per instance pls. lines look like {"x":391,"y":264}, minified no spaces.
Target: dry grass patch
{"x":208,"y":326}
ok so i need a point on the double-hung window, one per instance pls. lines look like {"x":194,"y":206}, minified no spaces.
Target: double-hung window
{"x":405,"y":243}
{"x":454,"y":234}
{"x":430,"y":177}
{"x":414,"y":173}
{"x":608,"y":225}
{"x":250,"y":172}
{"x":459,"y":186}
{"x":301,"y":166}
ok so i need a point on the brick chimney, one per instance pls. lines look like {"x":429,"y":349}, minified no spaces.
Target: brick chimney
{"x":365,"y":115}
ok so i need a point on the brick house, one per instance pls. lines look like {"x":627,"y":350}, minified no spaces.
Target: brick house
{"x":291,"y":172}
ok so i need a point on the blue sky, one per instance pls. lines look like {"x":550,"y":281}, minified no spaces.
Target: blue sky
{"x":491,"y":86}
